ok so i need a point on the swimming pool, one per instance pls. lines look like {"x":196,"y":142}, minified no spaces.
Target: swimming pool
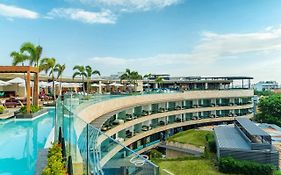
{"x":20,"y":142}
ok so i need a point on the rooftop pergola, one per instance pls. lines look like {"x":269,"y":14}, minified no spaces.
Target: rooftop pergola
{"x":28,"y":70}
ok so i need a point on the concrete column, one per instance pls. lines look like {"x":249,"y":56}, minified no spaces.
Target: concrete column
{"x":206,"y":85}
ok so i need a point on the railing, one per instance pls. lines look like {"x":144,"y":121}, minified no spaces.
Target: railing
{"x":81,"y":144}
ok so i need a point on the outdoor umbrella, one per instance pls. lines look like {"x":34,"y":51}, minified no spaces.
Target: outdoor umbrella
{"x":95,"y":85}
{"x":146,"y":85}
{"x":3,"y":83}
{"x":17,"y":81}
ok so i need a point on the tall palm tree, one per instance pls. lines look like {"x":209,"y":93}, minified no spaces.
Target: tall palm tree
{"x":34,"y":53}
{"x":48,"y":65}
{"x":149,"y":75}
{"x":19,"y":59}
{"x":89,"y":73}
{"x":126,"y":75}
{"x":80,"y":71}
{"x":59,"y":68}
{"x":131,"y":77}
{"x":159,"y":80}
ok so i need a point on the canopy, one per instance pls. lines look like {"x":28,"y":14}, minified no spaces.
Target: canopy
{"x":3,"y":83}
{"x":131,"y":85}
{"x":95,"y":85}
{"x":115,"y":84}
{"x":17,"y":80}
{"x":146,"y":85}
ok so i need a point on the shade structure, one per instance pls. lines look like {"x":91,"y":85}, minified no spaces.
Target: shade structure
{"x":16,"y":80}
{"x":43,"y":84}
{"x":130,"y":85}
{"x":3,"y":83}
{"x":116,"y":84}
{"x":95,"y":85}
{"x":71,"y":85}
{"x":103,"y":84}
{"x":146,"y":85}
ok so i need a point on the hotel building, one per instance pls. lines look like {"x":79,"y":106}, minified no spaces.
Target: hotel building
{"x":107,"y":133}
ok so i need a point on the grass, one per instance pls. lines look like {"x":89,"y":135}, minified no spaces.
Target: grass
{"x":193,"y":136}
{"x":188,"y":166}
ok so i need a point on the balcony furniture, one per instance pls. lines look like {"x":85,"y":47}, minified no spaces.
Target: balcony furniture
{"x":105,"y":128}
{"x":178,"y":108}
{"x":178,"y":119}
{"x":144,"y":113}
{"x":145,"y":128}
{"x":129,"y":134}
{"x":118,"y":121}
{"x":161,"y":123}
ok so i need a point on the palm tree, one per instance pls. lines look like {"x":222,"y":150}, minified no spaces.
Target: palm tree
{"x":48,"y":65}
{"x":159,"y":80}
{"x":18,"y":58}
{"x":131,"y":76}
{"x":147,"y":76}
{"x":89,"y":73}
{"x":34,"y":53}
{"x":126,"y":75}
{"x":59,"y":68}
{"x":80,"y":71}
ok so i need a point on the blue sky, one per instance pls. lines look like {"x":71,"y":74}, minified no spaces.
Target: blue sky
{"x":179,"y":37}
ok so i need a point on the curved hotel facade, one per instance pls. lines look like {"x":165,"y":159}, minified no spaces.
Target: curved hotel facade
{"x":108,"y":133}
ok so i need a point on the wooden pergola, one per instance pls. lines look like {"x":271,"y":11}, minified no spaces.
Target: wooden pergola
{"x":28,"y":70}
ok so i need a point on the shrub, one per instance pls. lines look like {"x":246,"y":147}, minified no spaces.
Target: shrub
{"x":56,"y":165}
{"x":2,"y":109}
{"x":33,"y":109}
{"x":211,"y":143}
{"x":155,"y":154}
{"x":230,"y":165}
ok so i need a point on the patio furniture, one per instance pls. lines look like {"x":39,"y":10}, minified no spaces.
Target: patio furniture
{"x":11,"y":103}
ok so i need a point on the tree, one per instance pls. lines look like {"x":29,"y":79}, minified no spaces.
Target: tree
{"x":147,"y":76}
{"x":18,"y":58}
{"x":34,"y":53}
{"x":131,"y":76}
{"x":48,"y":65}
{"x":59,"y":68}
{"x":89,"y":73}
{"x":159,"y":80}
{"x":126,"y":75}
{"x":80,"y":71}
{"x":269,"y":109}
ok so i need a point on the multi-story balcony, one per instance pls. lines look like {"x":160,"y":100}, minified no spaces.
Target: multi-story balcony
{"x":139,"y":122}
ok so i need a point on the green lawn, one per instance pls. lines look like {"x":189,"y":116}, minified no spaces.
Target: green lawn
{"x":193,"y":136}
{"x":189,"y":166}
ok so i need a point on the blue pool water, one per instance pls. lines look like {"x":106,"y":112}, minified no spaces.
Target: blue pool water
{"x":20,"y":142}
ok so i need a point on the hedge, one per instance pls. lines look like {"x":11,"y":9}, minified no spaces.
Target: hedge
{"x":230,"y":165}
{"x":2,"y":109}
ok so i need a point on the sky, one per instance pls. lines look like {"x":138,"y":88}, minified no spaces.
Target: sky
{"x":178,"y":37}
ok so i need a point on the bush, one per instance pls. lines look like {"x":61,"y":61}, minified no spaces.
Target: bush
{"x":33,"y":109}
{"x":56,"y":165}
{"x":2,"y":109}
{"x":155,"y":154}
{"x":230,"y":165}
{"x":211,"y":143}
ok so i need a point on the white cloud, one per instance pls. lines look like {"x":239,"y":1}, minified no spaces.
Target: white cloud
{"x":254,"y":54}
{"x":16,"y":12}
{"x":132,"y":5}
{"x":103,"y":17}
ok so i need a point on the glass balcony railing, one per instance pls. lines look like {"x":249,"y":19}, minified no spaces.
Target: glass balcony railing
{"x":89,"y":157}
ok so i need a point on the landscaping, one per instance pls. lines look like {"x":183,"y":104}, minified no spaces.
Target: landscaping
{"x":2,"y":109}
{"x":194,"y":137}
{"x":188,"y":165}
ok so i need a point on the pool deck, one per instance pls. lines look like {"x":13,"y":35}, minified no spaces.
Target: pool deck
{"x":9,"y":114}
